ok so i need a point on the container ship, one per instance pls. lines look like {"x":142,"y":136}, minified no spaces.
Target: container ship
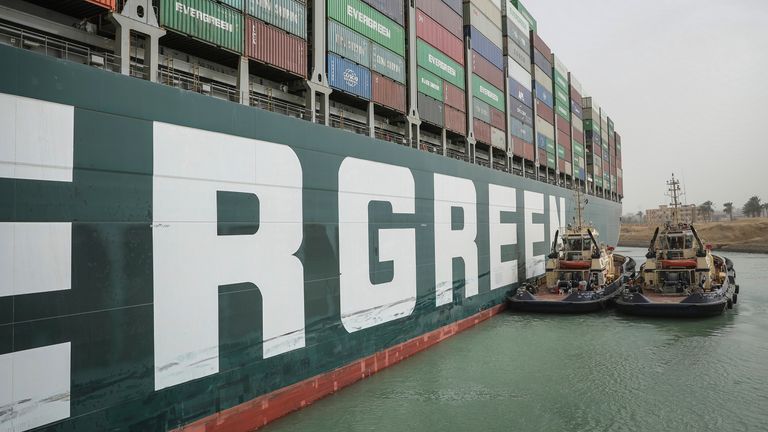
{"x":213,"y":213}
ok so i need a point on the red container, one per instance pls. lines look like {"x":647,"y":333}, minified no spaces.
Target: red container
{"x":109,"y":4}
{"x":388,"y":93}
{"x":578,"y":137}
{"x":606,"y":167}
{"x":482,"y":131}
{"x":597,"y":150}
{"x":563,"y":124}
{"x":455,"y":120}
{"x":498,"y":119}
{"x":545,"y":112}
{"x":437,"y":36}
{"x":561,"y":165}
{"x":620,"y":187}
{"x":541,"y":46}
{"x":487,"y":71}
{"x":523,"y":149}
{"x":270,"y":45}
{"x":455,"y":97}
{"x":443,"y":14}
{"x":576,"y":96}
{"x":542,"y":157}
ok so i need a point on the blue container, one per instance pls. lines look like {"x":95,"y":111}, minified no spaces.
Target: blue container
{"x":542,"y":62}
{"x":391,"y":8}
{"x":349,"y":77}
{"x":455,"y":5}
{"x":543,"y":95}
{"x":541,"y":141}
{"x":576,"y":109}
{"x":592,"y":137}
{"x":520,"y":130}
{"x":582,"y":174}
{"x":520,"y":92}
{"x":483,"y":46}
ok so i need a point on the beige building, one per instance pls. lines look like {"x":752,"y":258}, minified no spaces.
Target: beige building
{"x":688,"y":213}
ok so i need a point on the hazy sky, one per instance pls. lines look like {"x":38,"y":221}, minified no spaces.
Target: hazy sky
{"x":686,"y":83}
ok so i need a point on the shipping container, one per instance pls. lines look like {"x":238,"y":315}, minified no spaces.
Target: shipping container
{"x":519,"y":74}
{"x":204,"y":20}
{"x":540,"y":61}
{"x":498,"y":119}
{"x":561,"y":97}
{"x":109,"y":4}
{"x":521,"y":112}
{"x":482,"y":131}
{"x":484,"y":91}
{"x":289,"y":15}
{"x":444,"y":15}
{"x":454,"y":4}
{"x":575,"y":85}
{"x":430,"y":84}
{"x":430,"y":110}
{"x":543,"y":94}
{"x":439,"y":64}
{"x":545,"y":112}
{"x":518,"y":56}
{"x":551,"y":160}
{"x":436,"y":35}
{"x":483,"y":46}
{"x":541,"y":156}
{"x":474,"y":17}
{"x":270,"y":45}
{"x":563,"y":125}
{"x":481,"y":110}
{"x":498,"y":138}
{"x":576,"y":109}
{"x":387,"y":63}
{"x":487,"y":71}
{"x":523,"y":149}
{"x":520,"y":130}
{"x":519,"y":92}
{"x":575,"y":95}
{"x":455,"y":120}
{"x":369,"y":22}
{"x":516,"y":27}
{"x":562,"y":111}
{"x":491,"y":9}
{"x":391,"y":8}
{"x":349,"y":77}
{"x":455,"y":97}
{"x":388,"y":93}
{"x":542,"y":47}
{"x":349,"y":44}
{"x":561,"y":72}
{"x":236,"y":4}
{"x":542,"y":78}
{"x":524,"y":12}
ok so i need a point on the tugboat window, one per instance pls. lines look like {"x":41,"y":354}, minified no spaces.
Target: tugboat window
{"x":689,"y":241}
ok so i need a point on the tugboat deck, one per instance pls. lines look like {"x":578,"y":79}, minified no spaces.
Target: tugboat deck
{"x":659,"y":298}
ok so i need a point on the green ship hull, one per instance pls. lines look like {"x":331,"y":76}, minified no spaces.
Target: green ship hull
{"x":169,"y":256}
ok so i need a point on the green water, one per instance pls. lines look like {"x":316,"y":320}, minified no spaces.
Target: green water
{"x":601,"y":372}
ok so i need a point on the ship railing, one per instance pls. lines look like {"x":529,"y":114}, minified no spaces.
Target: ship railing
{"x":58,"y":48}
{"x":483,"y":162}
{"x":268,"y":103}
{"x":455,"y":154}
{"x":430,"y":147}
{"x":390,"y":136}
{"x":182,"y":80}
{"x":499,"y":166}
{"x":341,"y":122}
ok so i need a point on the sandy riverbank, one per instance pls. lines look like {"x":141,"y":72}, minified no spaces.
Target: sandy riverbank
{"x":744,"y":235}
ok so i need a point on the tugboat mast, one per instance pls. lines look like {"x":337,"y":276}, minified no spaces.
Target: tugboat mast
{"x":579,"y":210}
{"x":674,"y":193}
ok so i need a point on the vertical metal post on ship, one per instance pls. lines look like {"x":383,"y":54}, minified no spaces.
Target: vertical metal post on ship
{"x":317,"y":84}
{"x":137,"y":16}
{"x":413,"y":118}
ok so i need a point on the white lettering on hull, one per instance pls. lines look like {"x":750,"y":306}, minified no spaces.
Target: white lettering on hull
{"x":450,"y":193}
{"x":501,"y":199}
{"x":365,"y":304}
{"x":191,"y":260}
{"x":534,"y":233}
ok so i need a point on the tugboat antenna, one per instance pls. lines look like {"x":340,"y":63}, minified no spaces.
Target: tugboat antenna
{"x":674,"y":193}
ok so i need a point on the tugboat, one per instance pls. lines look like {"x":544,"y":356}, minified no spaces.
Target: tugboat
{"x":681,"y":277}
{"x":581,"y":276}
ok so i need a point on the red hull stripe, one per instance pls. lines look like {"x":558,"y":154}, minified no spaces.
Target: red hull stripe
{"x":271,"y":406}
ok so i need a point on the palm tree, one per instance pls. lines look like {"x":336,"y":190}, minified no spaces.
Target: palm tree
{"x":728,"y":209}
{"x":764,"y":208}
{"x":706,"y":210}
{"x":753,"y":207}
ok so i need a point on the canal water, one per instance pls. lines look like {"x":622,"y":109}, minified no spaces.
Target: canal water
{"x":602,"y":372}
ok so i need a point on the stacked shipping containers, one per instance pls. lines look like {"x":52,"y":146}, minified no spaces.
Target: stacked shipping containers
{"x":577,"y":130}
{"x":211,"y":22}
{"x":543,"y":102}
{"x":562,"y":102}
{"x":276,"y":34}
{"x":619,"y":170}
{"x":366,"y":50}
{"x":517,"y":49}
{"x":606,"y":155}
{"x":612,"y":155}
{"x":592,"y":136}
{"x":440,"y":64}
{"x":483,"y":29}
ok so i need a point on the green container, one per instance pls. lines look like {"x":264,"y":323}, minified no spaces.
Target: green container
{"x":562,"y":111}
{"x":349,"y":44}
{"x":591,"y":125}
{"x":578,"y":149}
{"x":550,"y":146}
{"x":439,"y":64}
{"x":481,"y":110}
{"x":562,"y":97}
{"x":487,"y":93}
{"x":288,"y":15}
{"x":560,"y":80}
{"x":368,"y":22}
{"x":560,"y":152}
{"x":551,"y":161}
{"x":430,"y":84}
{"x":527,"y":15}
{"x":387,"y":63}
{"x":205,"y":20}
{"x":237,"y":4}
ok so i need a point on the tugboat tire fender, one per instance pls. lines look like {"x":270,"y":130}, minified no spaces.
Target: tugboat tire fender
{"x":737,"y":289}
{"x":730,"y":304}
{"x":735,"y":298}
